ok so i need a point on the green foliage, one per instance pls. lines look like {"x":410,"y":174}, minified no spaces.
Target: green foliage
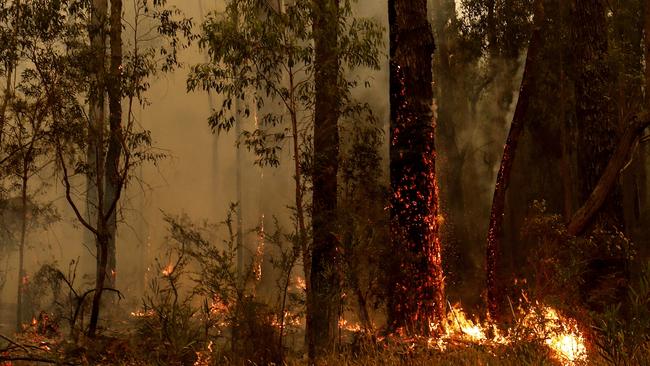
{"x":623,"y":329}
{"x":167,"y":318}
{"x":230,"y":309}
{"x":58,"y":295}
{"x":558,"y":262}
{"x":363,"y":219}
{"x":508,"y":23}
{"x":262,"y":59}
{"x":290,"y":303}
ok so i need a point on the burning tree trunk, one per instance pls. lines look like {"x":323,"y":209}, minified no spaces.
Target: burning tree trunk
{"x":323,"y":312}
{"x":495,"y":230}
{"x":416,"y":294}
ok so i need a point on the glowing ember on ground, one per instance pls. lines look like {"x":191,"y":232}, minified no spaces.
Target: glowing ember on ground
{"x":142,"y":313}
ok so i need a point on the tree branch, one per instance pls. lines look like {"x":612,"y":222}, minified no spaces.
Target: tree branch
{"x":68,"y":196}
{"x":607,"y":180}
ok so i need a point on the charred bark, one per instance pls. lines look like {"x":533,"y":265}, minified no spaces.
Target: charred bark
{"x":416,"y":293}
{"x":324,"y":294}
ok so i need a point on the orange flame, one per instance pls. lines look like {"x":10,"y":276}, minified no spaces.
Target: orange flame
{"x":560,"y":334}
{"x":168,"y":270}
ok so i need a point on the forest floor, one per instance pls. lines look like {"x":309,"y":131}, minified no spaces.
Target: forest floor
{"x":132,"y":349}
{"x":135,"y":341}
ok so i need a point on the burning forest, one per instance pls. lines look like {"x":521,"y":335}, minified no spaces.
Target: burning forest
{"x":324,"y":182}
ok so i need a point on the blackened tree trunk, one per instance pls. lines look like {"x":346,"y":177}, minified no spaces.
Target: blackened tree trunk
{"x":113,"y":177}
{"x":416,"y":293}
{"x":322,"y":317}
{"x":495,"y":230}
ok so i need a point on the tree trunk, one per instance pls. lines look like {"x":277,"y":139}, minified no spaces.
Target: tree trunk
{"x":416,"y":293}
{"x":101,"y":276}
{"x":607,"y":269}
{"x":23,"y":239}
{"x":495,"y":230}
{"x":96,"y":96}
{"x":322,"y":319}
{"x":646,"y":42}
{"x":595,"y":118}
{"x":238,"y":193}
{"x":626,"y":37}
{"x":113,"y":177}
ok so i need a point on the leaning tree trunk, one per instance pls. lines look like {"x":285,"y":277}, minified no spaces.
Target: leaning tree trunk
{"x":416,"y":292}
{"x":495,"y":230}
{"x":113,"y":177}
{"x":322,"y":319}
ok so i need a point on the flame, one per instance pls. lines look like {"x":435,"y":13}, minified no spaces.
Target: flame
{"x":217,"y":307}
{"x":560,"y":334}
{"x":259,"y":252}
{"x":290,"y":319}
{"x":300,"y":283}
{"x":168,"y":270}
{"x":142,"y":313}
{"x":536,"y":322}
{"x":204,"y":358}
{"x":350,"y":326}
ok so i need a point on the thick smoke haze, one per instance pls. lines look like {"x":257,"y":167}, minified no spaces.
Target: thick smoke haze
{"x":197,"y":178}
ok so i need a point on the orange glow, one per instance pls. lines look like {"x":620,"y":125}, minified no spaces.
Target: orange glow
{"x":168,"y":270}
{"x":537,"y":322}
{"x":300,"y":283}
{"x":350,"y":326}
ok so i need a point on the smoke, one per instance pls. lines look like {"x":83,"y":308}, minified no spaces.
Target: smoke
{"x":197,"y":178}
